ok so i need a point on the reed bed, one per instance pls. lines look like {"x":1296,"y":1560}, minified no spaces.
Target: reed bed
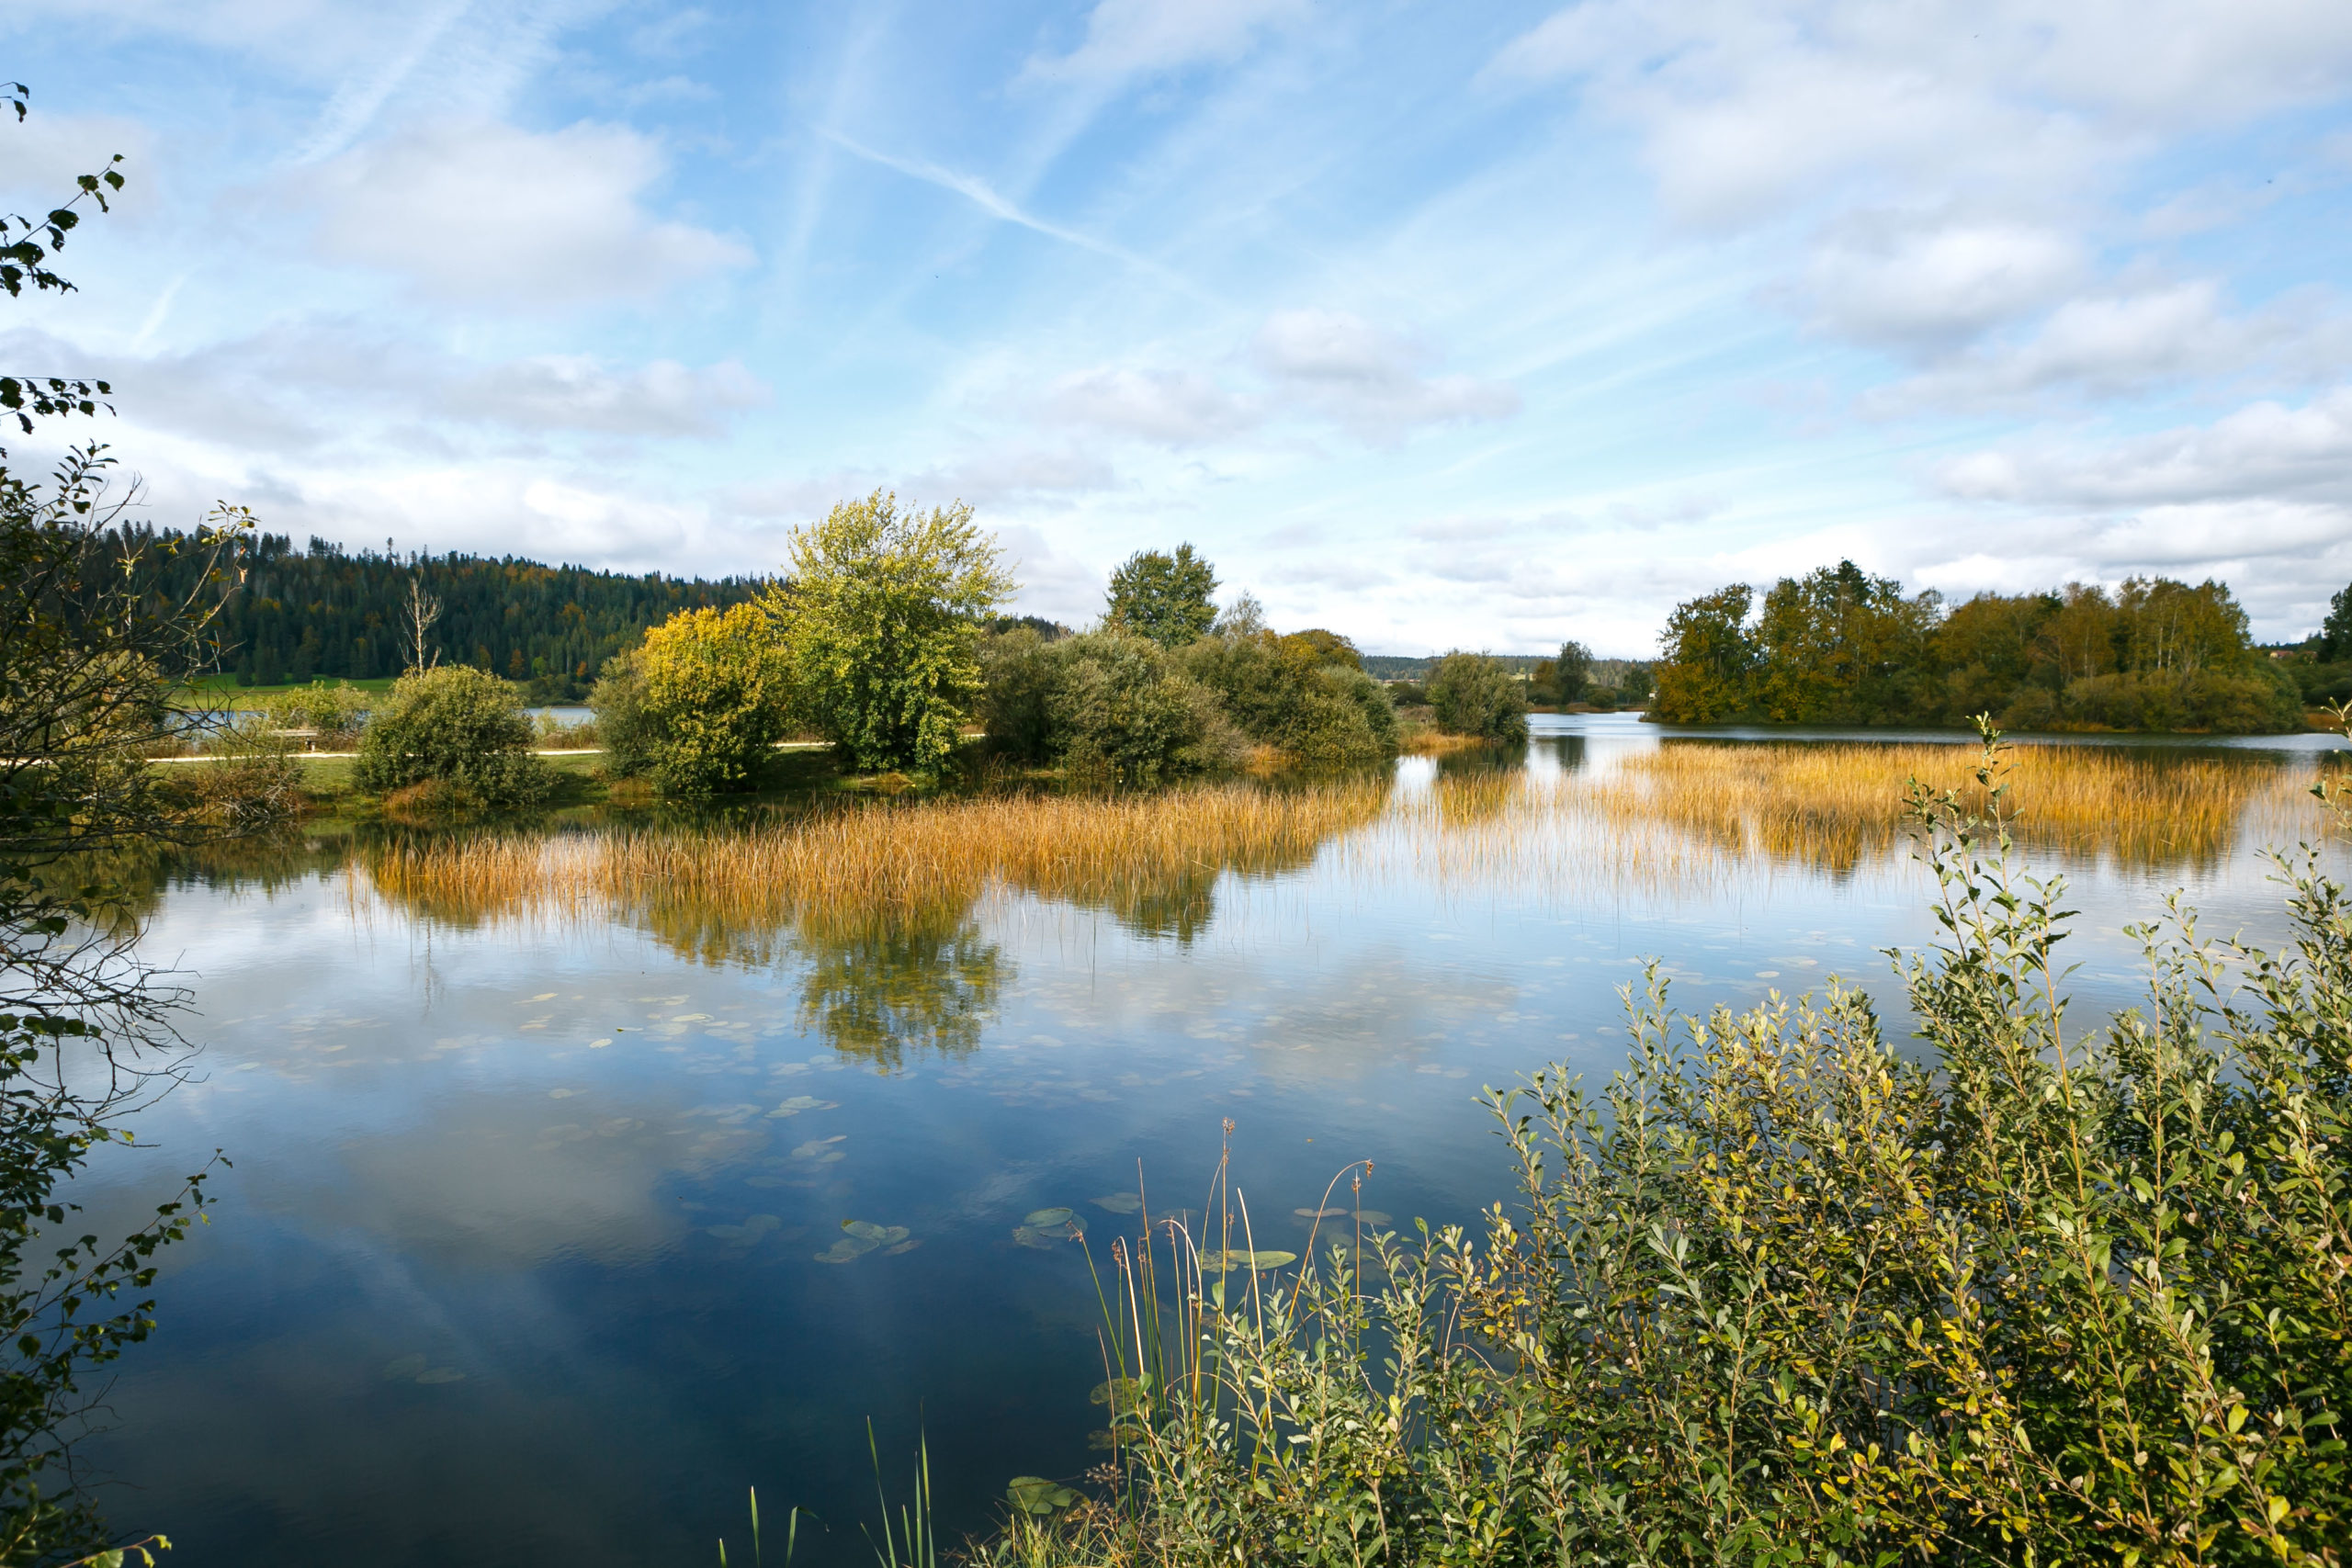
{"x":1834,"y":805}
{"x":1681,"y":821}
{"x":840,"y":870}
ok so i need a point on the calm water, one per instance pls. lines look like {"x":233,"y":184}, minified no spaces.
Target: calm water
{"x":518,"y":1260}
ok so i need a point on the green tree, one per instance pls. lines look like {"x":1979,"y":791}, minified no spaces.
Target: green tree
{"x":1571,"y":674}
{"x":2336,"y":632}
{"x":92,"y":642}
{"x":2173,"y":628}
{"x":702,"y":705}
{"x":1706,"y":659}
{"x":1164,"y":597}
{"x":1838,"y":645}
{"x":457,"y":727}
{"x":1473,"y":694}
{"x":881,"y":614}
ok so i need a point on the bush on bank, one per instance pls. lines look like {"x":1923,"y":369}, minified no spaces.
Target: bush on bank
{"x":699,"y":707}
{"x":1304,"y":695}
{"x":1474,"y":694}
{"x":1783,"y":1293}
{"x":457,"y":728}
{"x":1110,"y":704}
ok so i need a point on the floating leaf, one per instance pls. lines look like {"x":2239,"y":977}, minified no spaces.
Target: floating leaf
{"x":1124,"y":1396}
{"x":1043,"y":1217}
{"x":903,"y":1246}
{"x":800,"y":1102}
{"x":1318,"y":1214}
{"x":848,"y":1247}
{"x":1118,"y":1203}
{"x":880,"y":1235}
{"x":1043,"y":1240}
{"x":1035,"y":1495}
{"x":1218,"y":1262}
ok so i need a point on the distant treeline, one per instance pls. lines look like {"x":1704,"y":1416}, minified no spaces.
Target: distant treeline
{"x":323,"y":612}
{"x":1839,"y":646}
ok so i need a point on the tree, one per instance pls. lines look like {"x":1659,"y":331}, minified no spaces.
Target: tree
{"x":2178,"y":629}
{"x":92,"y":644}
{"x":1472,"y":694}
{"x":1571,"y":673}
{"x":710,"y":697}
{"x":1838,"y":645}
{"x":459,"y":727}
{"x":881,"y":614}
{"x":2336,"y":632}
{"x":1706,"y":659}
{"x":1164,"y":597}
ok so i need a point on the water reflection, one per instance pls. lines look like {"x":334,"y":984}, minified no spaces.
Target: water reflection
{"x":598,"y":1229}
{"x":877,"y":991}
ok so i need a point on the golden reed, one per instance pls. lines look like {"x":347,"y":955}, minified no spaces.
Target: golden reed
{"x":1673,"y":821}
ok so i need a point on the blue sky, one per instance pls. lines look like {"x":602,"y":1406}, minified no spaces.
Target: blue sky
{"x":1441,"y":325}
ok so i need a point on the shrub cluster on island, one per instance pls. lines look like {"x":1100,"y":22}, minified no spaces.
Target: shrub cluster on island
{"x":1838,"y":645}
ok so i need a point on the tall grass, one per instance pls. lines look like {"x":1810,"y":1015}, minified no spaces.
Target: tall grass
{"x":841,"y":871}
{"x":1834,"y":805}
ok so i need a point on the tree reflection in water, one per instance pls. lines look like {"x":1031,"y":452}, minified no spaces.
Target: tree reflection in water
{"x":928,"y":981}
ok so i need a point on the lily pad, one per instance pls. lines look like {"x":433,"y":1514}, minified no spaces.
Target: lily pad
{"x":800,"y":1102}
{"x":1218,"y":1262}
{"x":880,"y":1235}
{"x":1319,"y":1214}
{"x":1124,"y":1396}
{"x":753,"y":1227}
{"x":1035,"y":1495}
{"x":1044,"y":1241}
{"x":846,"y":1249}
{"x":1043,"y":1217}
{"x":1118,"y":1203}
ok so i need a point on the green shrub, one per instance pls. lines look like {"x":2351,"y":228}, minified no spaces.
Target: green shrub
{"x":335,"y":713}
{"x":1286,"y":691}
{"x":1108,"y":704}
{"x":457,"y":728}
{"x":2232,"y":702}
{"x":1471,"y":693}
{"x":1786,"y":1292}
{"x":700,"y":706}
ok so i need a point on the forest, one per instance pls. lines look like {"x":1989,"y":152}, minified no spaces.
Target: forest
{"x":1838,"y":645}
{"x":325,"y":613}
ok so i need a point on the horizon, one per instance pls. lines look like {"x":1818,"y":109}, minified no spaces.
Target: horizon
{"x":1435,"y":327}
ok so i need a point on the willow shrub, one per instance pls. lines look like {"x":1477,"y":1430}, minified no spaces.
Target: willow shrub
{"x":1785,"y":1294}
{"x":458,"y":729}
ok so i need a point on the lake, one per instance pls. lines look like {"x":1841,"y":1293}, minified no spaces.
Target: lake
{"x":534,"y":1248}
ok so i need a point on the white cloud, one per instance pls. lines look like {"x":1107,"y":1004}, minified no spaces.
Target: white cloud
{"x":300,"y":386}
{"x":1369,"y":379}
{"x":1175,"y":407}
{"x":574,"y":392}
{"x":1747,"y":109}
{"x":2264,"y":452}
{"x":483,"y":212}
{"x":2118,"y":343}
{"x":1883,"y":277}
{"x":1127,"y":37}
